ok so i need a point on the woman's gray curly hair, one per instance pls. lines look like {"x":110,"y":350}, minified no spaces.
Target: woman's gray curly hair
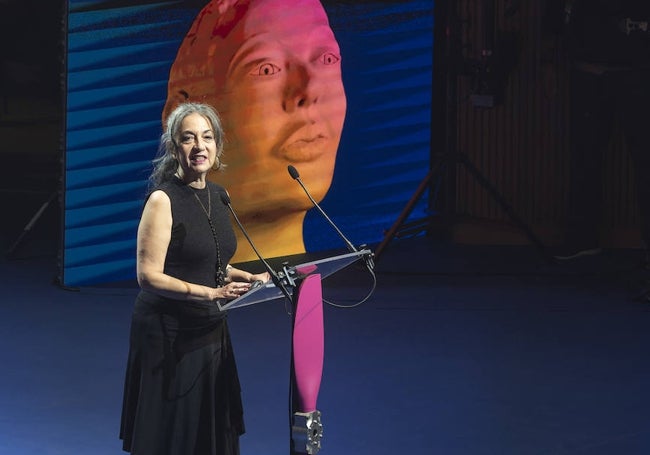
{"x":165,"y":164}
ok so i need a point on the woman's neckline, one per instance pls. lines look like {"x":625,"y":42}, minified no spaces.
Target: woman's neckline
{"x":189,"y":185}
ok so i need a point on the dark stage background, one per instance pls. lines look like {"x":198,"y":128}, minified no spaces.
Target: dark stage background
{"x":520,"y":144}
{"x":491,"y":350}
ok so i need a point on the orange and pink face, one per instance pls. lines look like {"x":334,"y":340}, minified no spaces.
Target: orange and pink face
{"x":272,"y":68}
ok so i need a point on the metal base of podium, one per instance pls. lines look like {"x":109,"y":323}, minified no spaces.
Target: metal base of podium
{"x":306,"y":432}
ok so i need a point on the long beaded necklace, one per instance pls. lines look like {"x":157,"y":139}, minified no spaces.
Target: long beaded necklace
{"x":219,"y":276}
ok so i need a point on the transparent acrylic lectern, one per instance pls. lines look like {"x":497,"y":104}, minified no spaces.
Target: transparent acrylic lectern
{"x":303,"y":284}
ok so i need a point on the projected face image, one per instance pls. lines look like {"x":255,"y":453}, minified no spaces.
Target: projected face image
{"x":272,"y":68}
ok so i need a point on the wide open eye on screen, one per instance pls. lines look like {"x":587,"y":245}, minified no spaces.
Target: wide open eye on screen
{"x":266,"y":69}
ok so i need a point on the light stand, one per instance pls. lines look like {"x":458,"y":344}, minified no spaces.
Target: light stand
{"x":446,"y":56}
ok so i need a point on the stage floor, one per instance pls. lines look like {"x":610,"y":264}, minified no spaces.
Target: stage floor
{"x":461,"y":350}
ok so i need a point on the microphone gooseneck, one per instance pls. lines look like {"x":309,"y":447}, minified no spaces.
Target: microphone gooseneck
{"x":293,"y":172}
{"x":367,"y":255}
{"x":274,"y":276}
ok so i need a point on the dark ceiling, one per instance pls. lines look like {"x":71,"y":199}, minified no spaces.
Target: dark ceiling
{"x":31,"y":37}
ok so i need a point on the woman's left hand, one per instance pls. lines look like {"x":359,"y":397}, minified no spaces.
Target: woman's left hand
{"x":263,"y":277}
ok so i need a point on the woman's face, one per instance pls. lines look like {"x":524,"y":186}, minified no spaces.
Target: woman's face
{"x":196,"y":149}
{"x":282,"y":103}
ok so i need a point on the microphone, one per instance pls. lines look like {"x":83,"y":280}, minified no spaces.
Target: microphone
{"x":275,"y":277}
{"x":293,"y":172}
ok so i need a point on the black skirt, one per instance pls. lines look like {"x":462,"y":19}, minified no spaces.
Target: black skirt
{"x":181,"y":393}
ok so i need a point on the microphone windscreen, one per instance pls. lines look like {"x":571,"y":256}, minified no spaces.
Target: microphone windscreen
{"x":293,"y":172}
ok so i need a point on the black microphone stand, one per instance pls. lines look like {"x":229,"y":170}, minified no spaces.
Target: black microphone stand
{"x":279,"y":281}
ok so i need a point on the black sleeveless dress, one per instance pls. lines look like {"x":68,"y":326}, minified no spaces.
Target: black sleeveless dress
{"x":181,"y":392}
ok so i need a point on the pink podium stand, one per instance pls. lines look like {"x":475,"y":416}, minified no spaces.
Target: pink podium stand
{"x":303,"y":284}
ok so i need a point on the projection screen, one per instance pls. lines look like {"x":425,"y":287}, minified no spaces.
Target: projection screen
{"x":119,"y":57}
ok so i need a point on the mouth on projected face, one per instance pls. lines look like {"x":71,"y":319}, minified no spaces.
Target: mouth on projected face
{"x":305,"y":148}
